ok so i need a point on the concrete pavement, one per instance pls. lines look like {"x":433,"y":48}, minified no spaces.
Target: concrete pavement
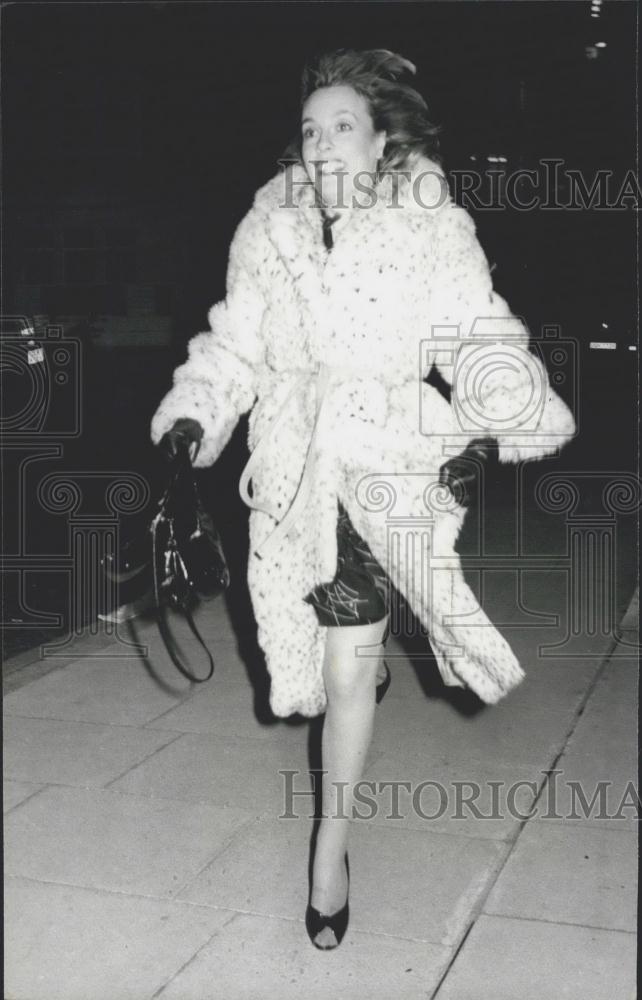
{"x":147,"y":853}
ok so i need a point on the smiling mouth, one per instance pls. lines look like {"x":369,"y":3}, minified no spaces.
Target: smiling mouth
{"x":332,"y":168}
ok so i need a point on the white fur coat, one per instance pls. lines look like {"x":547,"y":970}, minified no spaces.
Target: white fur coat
{"x":406,"y":286}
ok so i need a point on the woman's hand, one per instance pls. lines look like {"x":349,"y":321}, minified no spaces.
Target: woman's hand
{"x":185,"y":432}
{"x":461,"y":472}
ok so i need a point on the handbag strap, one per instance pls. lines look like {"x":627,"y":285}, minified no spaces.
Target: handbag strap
{"x":169,"y":643}
{"x":184,"y":607}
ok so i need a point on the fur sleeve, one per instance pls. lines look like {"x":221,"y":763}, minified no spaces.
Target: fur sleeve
{"x":500,"y":389}
{"x":217,"y":383}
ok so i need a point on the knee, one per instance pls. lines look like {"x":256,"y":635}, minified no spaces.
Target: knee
{"x":352,"y":658}
{"x":348,"y":677}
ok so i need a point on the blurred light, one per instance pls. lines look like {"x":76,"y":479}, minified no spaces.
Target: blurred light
{"x":605,"y":325}
{"x":497,"y":159}
{"x":602,"y":345}
{"x":632,"y":347}
{"x":595,"y":15}
{"x":600,"y":45}
{"x":473,"y":158}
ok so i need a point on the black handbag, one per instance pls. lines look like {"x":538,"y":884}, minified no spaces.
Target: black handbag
{"x":177,"y":562}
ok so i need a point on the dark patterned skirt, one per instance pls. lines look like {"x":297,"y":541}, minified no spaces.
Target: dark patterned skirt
{"x":359,"y":594}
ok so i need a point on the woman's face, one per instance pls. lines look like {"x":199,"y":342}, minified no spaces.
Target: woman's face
{"x":338,"y":144}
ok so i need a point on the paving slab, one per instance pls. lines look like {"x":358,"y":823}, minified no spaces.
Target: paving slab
{"x":556,"y":684}
{"x":229,"y":664}
{"x":598,"y":770}
{"x":214,"y":622}
{"x":402,"y":883}
{"x":420,"y":885}
{"x":264,"y":870}
{"x":575,"y":875}
{"x":609,"y":722}
{"x":74,"y":753}
{"x":446,"y":794}
{"x":598,"y":790}
{"x":192,"y":819}
{"x":211,"y":619}
{"x":104,"y":840}
{"x":32,"y":663}
{"x":94,"y":642}
{"x":273,"y":959}
{"x":226,"y":709}
{"x":117,"y":692}
{"x":15,"y":792}
{"x":232,"y":772}
{"x":67,"y":943}
{"x":508,"y":959}
{"x":510,"y":732}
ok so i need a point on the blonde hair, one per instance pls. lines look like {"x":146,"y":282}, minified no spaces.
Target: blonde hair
{"x":394,"y":105}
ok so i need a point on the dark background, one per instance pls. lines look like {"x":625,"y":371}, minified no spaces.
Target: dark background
{"x":184,"y":109}
{"x":136,"y":134}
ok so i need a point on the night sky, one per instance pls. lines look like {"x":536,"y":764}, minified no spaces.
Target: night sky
{"x":188,"y":106}
{"x":214,"y":81}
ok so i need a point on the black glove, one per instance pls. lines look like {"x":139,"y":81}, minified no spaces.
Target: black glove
{"x":461,"y":472}
{"x":185,"y":432}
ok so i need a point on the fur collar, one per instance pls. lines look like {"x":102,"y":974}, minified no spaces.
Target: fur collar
{"x":288,"y":213}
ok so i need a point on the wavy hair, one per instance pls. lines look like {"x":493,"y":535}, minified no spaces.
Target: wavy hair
{"x":394,"y":105}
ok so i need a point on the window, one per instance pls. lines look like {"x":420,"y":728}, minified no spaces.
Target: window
{"x":120,"y":265}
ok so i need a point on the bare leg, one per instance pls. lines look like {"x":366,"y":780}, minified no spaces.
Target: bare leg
{"x":350,"y":679}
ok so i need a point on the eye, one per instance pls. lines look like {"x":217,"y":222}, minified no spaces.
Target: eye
{"x":344,"y":127}
{"x":308,"y":132}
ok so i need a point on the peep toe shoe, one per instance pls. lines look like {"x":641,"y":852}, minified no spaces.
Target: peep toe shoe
{"x":315,"y":921}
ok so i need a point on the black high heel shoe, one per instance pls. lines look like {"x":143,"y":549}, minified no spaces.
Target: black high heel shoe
{"x":315,"y":921}
{"x":383,"y":686}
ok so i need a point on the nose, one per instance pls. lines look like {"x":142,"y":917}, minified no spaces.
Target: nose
{"x":324,"y":142}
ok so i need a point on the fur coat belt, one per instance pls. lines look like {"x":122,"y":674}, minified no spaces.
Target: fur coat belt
{"x":328,"y":354}
{"x":331,"y":388}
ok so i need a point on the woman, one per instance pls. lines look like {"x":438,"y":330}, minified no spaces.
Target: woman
{"x":351,"y":275}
